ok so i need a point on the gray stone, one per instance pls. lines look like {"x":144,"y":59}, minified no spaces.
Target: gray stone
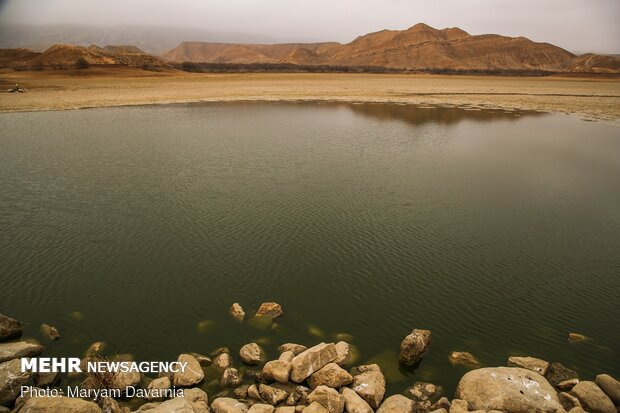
{"x":610,"y":386}
{"x":370,"y":384}
{"x":530,"y":363}
{"x":192,"y":374}
{"x":414,"y":347}
{"x":9,"y":328}
{"x":252,"y":354}
{"x":294,"y":348}
{"x":311,"y":360}
{"x":329,"y":398}
{"x":331,"y":375}
{"x":11,"y":378}
{"x":228,"y":405}
{"x":396,"y":404}
{"x":511,"y":389}
{"x":18,"y":349}
{"x":59,"y":405}
{"x":592,"y":398}
{"x":354,"y":403}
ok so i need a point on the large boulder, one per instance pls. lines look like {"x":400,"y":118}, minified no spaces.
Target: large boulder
{"x":331,"y":375}
{"x":228,"y":405}
{"x":251,"y":354}
{"x":311,"y":360}
{"x":592,"y":398}
{"x":17,"y":349}
{"x":610,"y":386}
{"x":354,"y":403}
{"x":59,"y":405}
{"x":396,"y":404}
{"x":9,"y":328}
{"x":414,"y":346}
{"x":329,"y":398}
{"x":530,"y":363}
{"x":11,"y":378}
{"x":510,"y":389}
{"x":369,"y":384}
{"x":192,"y":374}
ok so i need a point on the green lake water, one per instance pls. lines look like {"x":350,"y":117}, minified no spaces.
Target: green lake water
{"x":498,"y":231}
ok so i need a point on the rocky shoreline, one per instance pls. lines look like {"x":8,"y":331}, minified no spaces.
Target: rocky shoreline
{"x":323,"y":378}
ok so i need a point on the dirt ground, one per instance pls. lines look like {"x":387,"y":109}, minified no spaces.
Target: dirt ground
{"x":588,"y":97}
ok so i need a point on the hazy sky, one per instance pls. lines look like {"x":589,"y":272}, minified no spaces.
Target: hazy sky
{"x":578,"y":25}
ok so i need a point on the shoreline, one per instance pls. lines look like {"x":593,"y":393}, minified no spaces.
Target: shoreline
{"x":588,"y":98}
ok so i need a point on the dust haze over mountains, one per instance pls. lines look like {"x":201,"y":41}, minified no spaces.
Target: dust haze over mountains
{"x":155,"y":25}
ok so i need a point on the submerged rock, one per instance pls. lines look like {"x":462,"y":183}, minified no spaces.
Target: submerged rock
{"x":11,"y":378}
{"x":530,"y":363}
{"x":331,"y":375}
{"x":610,"y":386}
{"x":251,"y":354}
{"x":463,"y":358}
{"x":9,"y":328}
{"x":576,"y":337}
{"x":414,"y":347}
{"x":510,"y":389}
{"x":422,"y":391}
{"x":17,"y":349}
{"x":329,"y":398}
{"x":50,"y":332}
{"x":193,"y":373}
{"x":592,"y":398}
{"x":369,"y":384}
{"x":222,"y":361}
{"x":557,"y":373}
{"x":237,"y":312}
{"x":270,"y":309}
{"x":396,"y":404}
{"x":311,"y":360}
{"x":354,"y":403}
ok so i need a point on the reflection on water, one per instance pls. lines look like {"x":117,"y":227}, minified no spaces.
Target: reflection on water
{"x":498,"y":231}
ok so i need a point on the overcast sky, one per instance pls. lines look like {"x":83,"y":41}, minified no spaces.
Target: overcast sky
{"x":577,"y":25}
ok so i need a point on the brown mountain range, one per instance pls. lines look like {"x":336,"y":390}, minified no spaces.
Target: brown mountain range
{"x":420,"y":47}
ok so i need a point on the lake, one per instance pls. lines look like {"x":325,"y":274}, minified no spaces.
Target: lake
{"x":140,"y":226}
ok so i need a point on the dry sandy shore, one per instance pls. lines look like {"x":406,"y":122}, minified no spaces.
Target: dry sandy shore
{"x":591,"y":98}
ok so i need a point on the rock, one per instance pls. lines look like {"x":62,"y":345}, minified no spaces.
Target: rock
{"x":329,"y":398}
{"x":157,"y":386}
{"x":576,"y":337}
{"x":230,"y":378}
{"x":277,"y":370}
{"x":421,"y":391}
{"x":59,"y":405}
{"x":270,"y":309}
{"x":222,"y":361}
{"x":592,"y":398}
{"x":396,"y":404}
{"x":300,"y":408}
{"x":18,"y":349}
{"x":610,"y":386}
{"x":95,"y":348}
{"x":46,"y":379}
{"x":463,"y":358}
{"x":228,"y":405}
{"x":311,"y":360}
{"x":567,"y":384}
{"x":577,"y":410}
{"x":369,"y":384}
{"x":287,"y":356}
{"x":557,"y":373}
{"x":253,"y":393}
{"x":241,"y":392}
{"x":354,"y":403}
{"x":261,"y":408}
{"x":331,"y":375}
{"x":441,"y":410}
{"x":192,"y":374}
{"x":9,"y":328}
{"x":251,"y":354}
{"x":343,"y":349}
{"x":202,"y":359}
{"x":11,"y":378}
{"x":442,"y":403}
{"x":414,"y":347}
{"x":285,"y":409}
{"x":292,"y":347}
{"x":568,"y":401}
{"x":530,"y":363}
{"x":511,"y":389}
{"x":122,"y":380}
{"x":50,"y":332}
{"x":237,"y":312}
{"x":459,"y":406}
{"x":314,"y":408}
{"x":109,"y":405}
{"x":271,"y":394}
{"x":176,"y":405}
{"x":292,"y":399}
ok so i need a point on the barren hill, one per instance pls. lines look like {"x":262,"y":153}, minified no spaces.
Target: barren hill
{"x":419,"y":48}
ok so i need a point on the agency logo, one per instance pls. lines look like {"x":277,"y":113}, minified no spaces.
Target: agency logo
{"x":74,"y":365}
